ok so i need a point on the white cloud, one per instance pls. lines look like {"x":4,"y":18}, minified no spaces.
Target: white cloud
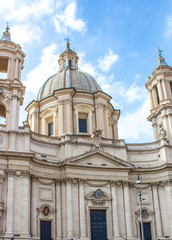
{"x":25,"y":33}
{"x":135,"y":125}
{"x":106,"y":62}
{"x":135,"y":92}
{"x":168,"y":22}
{"x":47,"y":67}
{"x":67,"y":19}
{"x":137,"y":76}
{"x":21,"y":11}
{"x":8,"y":4}
{"x":86,"y":66}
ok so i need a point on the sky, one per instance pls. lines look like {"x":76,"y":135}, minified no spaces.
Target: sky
{"x":116,"y":41}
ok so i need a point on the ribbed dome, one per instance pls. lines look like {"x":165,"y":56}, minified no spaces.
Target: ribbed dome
{"x":68,"y":76}
{"x":66,"y":79}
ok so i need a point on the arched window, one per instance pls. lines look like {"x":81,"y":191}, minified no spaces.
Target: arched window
{"x":3,"y":68}
{"x":2,"y":115}
{"x":70,"y":64}
{"x":171,"y":86}
{"x":64,"y":64}
{"x":157,"y":94}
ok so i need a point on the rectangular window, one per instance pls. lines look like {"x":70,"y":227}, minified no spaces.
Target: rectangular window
{"x":82,"y":125}
{"x":50,"y":129}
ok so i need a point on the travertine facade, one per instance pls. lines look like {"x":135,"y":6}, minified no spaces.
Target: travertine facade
{"x":66,"y":174}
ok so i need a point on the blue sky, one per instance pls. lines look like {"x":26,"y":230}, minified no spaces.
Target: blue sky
{"x":116,"y":41}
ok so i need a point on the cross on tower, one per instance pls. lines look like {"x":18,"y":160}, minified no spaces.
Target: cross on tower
{"x":160,"y":51}
{"x":7,"y":28}
{"x":67,"y":42}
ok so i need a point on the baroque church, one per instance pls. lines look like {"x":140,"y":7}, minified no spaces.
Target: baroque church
{"x":65,"y":174}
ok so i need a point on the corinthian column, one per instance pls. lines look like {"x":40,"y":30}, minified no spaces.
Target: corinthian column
{"x":82,"y":209}
{"x":26,"y":204}
{"x":157,"y":211}
{"x":10,"y":204}
{"x":115,"y":215}
{"x":128,"y":215}
{"x":58,"y":209}
{"x":69,"y":208}
{"x":33,"y":207}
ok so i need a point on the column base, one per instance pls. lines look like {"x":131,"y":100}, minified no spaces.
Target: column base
{"x":74,"y":238}
{"x":35,"y":238}
{"x":117,"y":238}
{"x":131,"y":238}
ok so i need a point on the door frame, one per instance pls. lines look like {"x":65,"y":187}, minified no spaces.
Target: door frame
{"x":151,"y":228}
{"x":105,"y":216}
{"x":44,"y":220}
{"x":108,"y":220}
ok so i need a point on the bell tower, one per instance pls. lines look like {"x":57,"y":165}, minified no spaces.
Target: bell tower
{"x":11,"y":88}
{"x":159,"y":86}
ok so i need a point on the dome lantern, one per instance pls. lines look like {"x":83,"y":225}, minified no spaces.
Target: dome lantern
{"x":6,"y":35}
{"x":68,"y":59}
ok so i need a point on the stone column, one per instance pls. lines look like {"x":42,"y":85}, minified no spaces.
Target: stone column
{"x":60,"y":118}
{"x":82,"y":209}
{"x":26,"y":204}
{"x":160,"y":91}
{"x":44,"y":127}
{"x":154,"y":95}
{"x":154,"y":126}
{"x":69,"y":116}
{"x":77,"y":122}
{"x":100,"y":117}
{"x":63,"y":204}
{"x":54,"y":123}
{"x":169,"y":204}
{"x":90,"y":125}
{"x":14,"y":113}
{"x":151,"y":99}
{"x":164,"y":89}
{"x":157,"y":211}
{"x":19,"y":72}
{"x":115,"y":215}
{"x":10,"y":204}
{"x":69,"y":208}
{"x":9,"y":69}
{"x":58,"y":210}
{"x":106,"y":122}
{"x":33,"y":206}
{"x":128,"y":215}
{"x":17,"y":68}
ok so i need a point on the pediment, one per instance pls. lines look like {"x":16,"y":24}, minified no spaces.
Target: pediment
{"x":99,"y":158}
{"x":98,"y":195}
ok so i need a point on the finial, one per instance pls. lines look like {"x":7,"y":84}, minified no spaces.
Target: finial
{"x":160,"y":51}
{"x":7,"y":28}
{"x":67,"y":42}
{"x":161,"y":60}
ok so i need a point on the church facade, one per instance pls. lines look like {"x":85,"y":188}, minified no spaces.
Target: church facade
{"x":66,"y":174}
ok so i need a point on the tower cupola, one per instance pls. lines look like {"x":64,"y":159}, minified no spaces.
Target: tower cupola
{"x":6,"y":35}
{"x":68,"y":59}
{"x":11,"y":87}
{"x":159,"y":86}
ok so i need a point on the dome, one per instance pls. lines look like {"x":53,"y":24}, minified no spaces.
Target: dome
{"x":68,"y":78}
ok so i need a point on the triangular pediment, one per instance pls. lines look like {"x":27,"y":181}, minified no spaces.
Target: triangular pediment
{"x":99,"y":158}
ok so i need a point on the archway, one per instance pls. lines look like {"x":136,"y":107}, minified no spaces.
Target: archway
{"x":2,"y":114}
